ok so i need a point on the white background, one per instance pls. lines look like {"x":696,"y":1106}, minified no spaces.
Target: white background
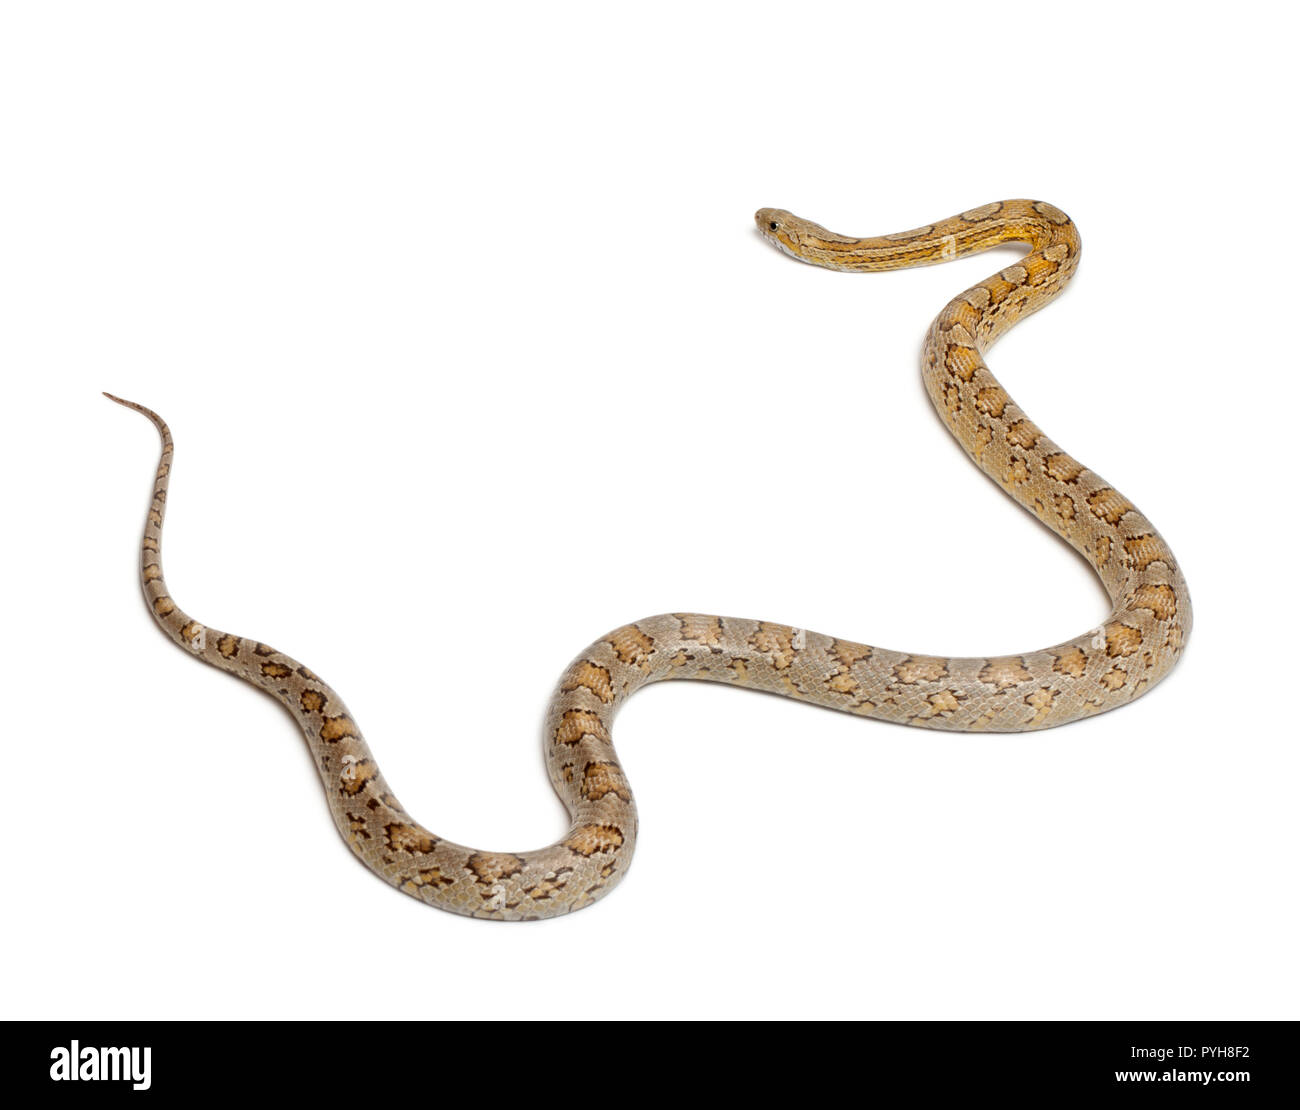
{"x":472,"y":353}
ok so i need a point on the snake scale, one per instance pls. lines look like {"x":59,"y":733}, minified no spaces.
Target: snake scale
{"x":1100,"y":669}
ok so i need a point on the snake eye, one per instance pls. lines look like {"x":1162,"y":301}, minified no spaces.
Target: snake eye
{"x":772,"y":225}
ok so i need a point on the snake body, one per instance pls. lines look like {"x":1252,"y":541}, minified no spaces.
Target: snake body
{"x":1100,"y":669}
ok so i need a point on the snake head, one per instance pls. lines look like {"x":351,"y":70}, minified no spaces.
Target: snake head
{"x":774,"y":222}
{"x":781,"y":229}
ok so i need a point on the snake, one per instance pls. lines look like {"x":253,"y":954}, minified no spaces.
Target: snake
{"x":1101,"y":669}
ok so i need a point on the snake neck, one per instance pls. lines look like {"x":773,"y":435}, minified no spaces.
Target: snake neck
{"x":1040,"y":225}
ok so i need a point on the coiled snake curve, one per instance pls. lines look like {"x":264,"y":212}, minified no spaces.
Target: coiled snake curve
{"x":1098,"y":670}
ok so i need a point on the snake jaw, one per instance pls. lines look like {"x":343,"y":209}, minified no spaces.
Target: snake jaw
{"x":785,"y":249}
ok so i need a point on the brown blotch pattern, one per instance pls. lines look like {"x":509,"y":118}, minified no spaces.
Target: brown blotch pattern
{"x":1122,"y":639}
{"x":337,"y":728}
{"x":774,"y":640}
{"x":593,"y":677}
{"x":991,"y":400}
{"x":1158,"y":598}
{"x":942,"y":704}
{"x":425,"y":876}
{"x":983,"y":212}
{"x":1114,"y":678}
{"x":409,"y":838}
{"x":1009,"y":671}
{"x":1061,"y":467}
{"x":1051,"y":212}
{"x":491,"y":867}
{"x":355,"y":775}
{"x":1023,"y":434}
{"x":1073,"y":663}
{"x":1142,"y":551}
{"x":1040,"y":701}
{"x":963,"y":362}
{"x":701,"y":629}
{"x":577,"y":723}
{"x":920,"y":668}
{"x":549,"y":885}
{"x":590,"y":839}
{"x":602,"y":778}
{"x":842,"y":682}
{"x":1109,"y":505}
{"x":631,"y":645}
{"x":846,"y":654}
{"x":952,"y":400}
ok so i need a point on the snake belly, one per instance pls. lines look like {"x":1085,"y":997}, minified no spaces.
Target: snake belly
{"x":1100,"y":669}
